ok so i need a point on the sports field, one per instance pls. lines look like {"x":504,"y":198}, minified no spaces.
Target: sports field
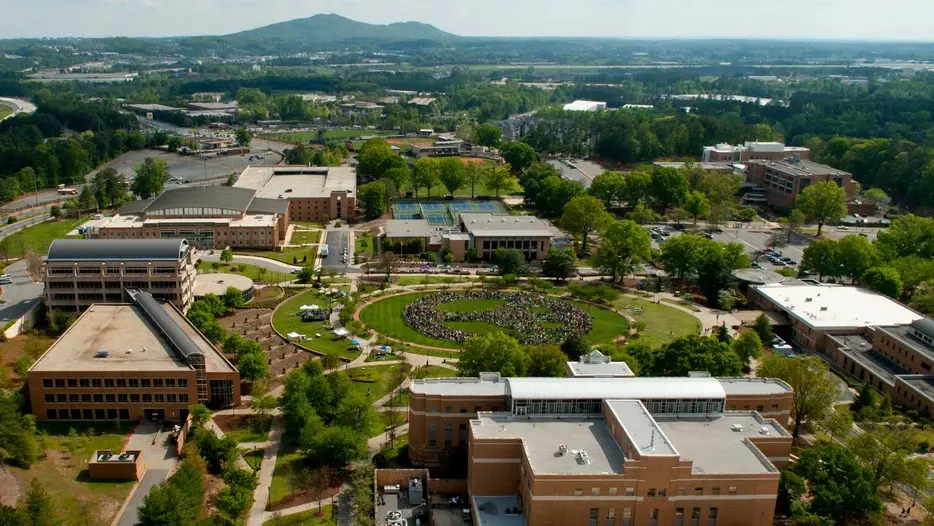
{"x":443,"y":213}
{"x":385,"y":317}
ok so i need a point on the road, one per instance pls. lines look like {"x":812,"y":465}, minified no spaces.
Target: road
{"x":18,"y":298}
{"x":18,"y":105}
{"x":337,"y":240}
{"x":268,"y":264}
{"x":582,"y":171}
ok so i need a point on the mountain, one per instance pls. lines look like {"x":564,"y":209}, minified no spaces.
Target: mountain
{"x":330,"y":29}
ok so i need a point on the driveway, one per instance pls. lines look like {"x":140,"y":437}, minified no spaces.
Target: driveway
{"x":151,"y":479}
{"x":159,"y":457}
{"x":337,"y":240}
{"x":18,"y":298}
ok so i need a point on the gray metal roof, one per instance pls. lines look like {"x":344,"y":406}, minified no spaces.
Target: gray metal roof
{"x":182,"y":343}
{"x":204,"y":196}
{"x":117,"y":249}
{"x":134,"y":207}
{"x":268,"y":206}
{"x":924,"y":326}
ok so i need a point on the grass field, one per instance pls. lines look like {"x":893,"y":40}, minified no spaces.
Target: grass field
{"x":285,"y":463}
{"x":662,"y":323}
{"x":375,"y":381}
{"x":429,"y":280}
{"x":285,"y":321}
{"x":385,"y":317}
{"x":37,"y":238}
{"x":363,"y":244}
{"x":5,"y":111}
{"x":244,"y":269}
{"x":252,"y":457}
{"x":435,"y":371}
{"x":291,"y":256}
{"x":63,"y":472}
{"x":331,"y":135}
{"x":247,"y":435}
{"x":306,"y":518}
{"x":302,"y":237}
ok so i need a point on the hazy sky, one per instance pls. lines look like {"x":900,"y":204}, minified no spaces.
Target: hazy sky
{"x":825,"y":19}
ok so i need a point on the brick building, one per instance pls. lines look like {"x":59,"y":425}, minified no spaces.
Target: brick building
{"x":128,"y":362}
{"x":81,"y":272}
{"x":771,"y":151}
{"x":314,"y":193}
{"x":209,"y":217}
{"x":785,"y":179}
{"x":609,"y":451}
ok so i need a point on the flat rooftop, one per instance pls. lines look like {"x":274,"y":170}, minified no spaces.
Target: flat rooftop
{"x":541,"y":437}
{"x":580,"y":369}
{"x":822,"y":307}
{"x":218,"y":283}
{"x":491,"y":511}
{"x":716,"y":446}
{"x":601,"y":388}
{"x":131,"y":339}
{"x":802,"y":168}
{"x":486,"y":224}
{"x":459,"y":386}
{"x":296,"y":182}
{"x":409,"y":228}
{"x":903,"y":334}
{"x":754,"y":386}
{"x":641,"y":428}
{"x":923,"y":383}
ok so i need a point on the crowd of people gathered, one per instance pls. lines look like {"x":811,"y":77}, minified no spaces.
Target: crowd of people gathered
{"x":530,"y":318}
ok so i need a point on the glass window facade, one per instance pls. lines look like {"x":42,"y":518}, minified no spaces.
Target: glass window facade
{"x":593,"y":406}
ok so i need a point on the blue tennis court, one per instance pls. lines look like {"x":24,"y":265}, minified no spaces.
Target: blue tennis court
{"x":437,"y":219}
{"x":487,"y":206}
{"x":406,"y":207}
{"x":433,"y":207}
{"x":462,"y":206}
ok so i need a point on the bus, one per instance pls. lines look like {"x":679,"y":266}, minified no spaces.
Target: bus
{"x":324,"y":250}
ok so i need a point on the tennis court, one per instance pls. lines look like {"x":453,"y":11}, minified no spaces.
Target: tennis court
{"x":444,"y":213}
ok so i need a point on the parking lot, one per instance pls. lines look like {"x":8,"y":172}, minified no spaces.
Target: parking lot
{"x":754,"y":240}
{"x":577,"y":170}
{"x":191,"y":168}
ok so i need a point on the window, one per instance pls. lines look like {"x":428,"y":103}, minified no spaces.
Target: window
{"x":159,"y":398}
{"x":171,"y":398}
{"x":578,"y":492}
{"x":47,"y":382}
{"x":73,"y":382}
{"x":121,"y":397}
{"x":612,"y":492}
{"x":108,"y":382}
{"x":76,"y":414}
{"x":124,"y":414}
{"x":87,"y":414}
{"x":170,"y":382}
{"x":630,"y":492}
{"x":61,"y":398}
{"x":134,"y":398}
{"x":95,"y":382}
{"x":157,"y":382}
{"x":49,"y":398}
{"x":611,"y":517}
{"x":715,"y":491}
{"x":98,"y":398}
{"x":84,"y":382}
{"x":662,"y":492}
{"x":51,"y":414}
{"x":60,"y":383}
{"x":133,"y":382}
{"x":147,"y":398}
{"x":679,"y":516}
{"x":73,"y":398}
{"x":448,"y":409}
{"x":145,"y":382}
{"x":183,"y":382}
{"x":99,"y":414}
{"x":432,"y":436}
{"x":85,"y":398}
{"x":183,"y":398}
{"x":732,"y":490}
{"x":594,"y":514}
{"x":110,"y":397}
{"x":698,"y":491}
{"x":651,"y":492}
{"x":448,"y":435}
{"x":712,"y":517}
{"x":121,"y":382}
{"x":695,"y":517}
{"x":594,"y":492}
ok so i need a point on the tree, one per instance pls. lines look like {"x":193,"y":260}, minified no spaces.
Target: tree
{"x":641,"y":214}
{"x":681,"y":254}
{"x":790,"y":225}
{"x":355,"y":411}
{"x":336,"y":446}
{"x":299,"y":478}
{"x":884,"y":280}
{"x":233,"y":298}
{"x":319,"y":483}
{"x":574,"y":346}
{"x":39,"y":507}
{"x":748,"y":347}
{"x":696,"y":205}
{"x":823,"y":203}
{"x":55,"y":212}
{"x":509,"y":260}
{"x":815,"y":389}
{"x":217,"y":452}
{"x":560,"y":264}
{"x":373,"y":158}
{"x":693,"y":353}
{"x":474,"y":174}
{"x":498,"y":178}
{"x":518,"y":154}
{"x":884,"y":450}
{"x":546,"y":361}
{"x":399,"y":177}
{"x":17,"y":431}
{"x":726,"y":299}
{"x":452,"y":174}
{"x":923,"y":298}
{"x":243,"y":136}
{"x":585,"y":215}
{"x":823,"y":257}
{"x":638,"y":185}
{"x":151,"y":177}
{"x":857,"y":255}
{"x":866,"y":398}
{"x":253,"y":366}
{"x":880,"y":198}
{"x":372,"y":198}
{"x":715,"y":265}
{"x":425,"y":175}
{"x":669,"y":188}
{"x":839,"y":487}
{"x":763,"y":328}
{"x":227,"y":255}
{"x":839,"y":423}
{"x":623,"y":247}
{"x":200,"y":414}
{"x":609,"y":187}
{"x":908,"y":235}
{"x":488,"y":135}
{"x":494,"y":352}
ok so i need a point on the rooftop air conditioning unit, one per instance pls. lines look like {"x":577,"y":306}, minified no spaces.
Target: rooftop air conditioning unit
{"x":563,"y":449}
{"x":764,"y":430}
{"x":103,"y":353}
{"x":737,"y":427}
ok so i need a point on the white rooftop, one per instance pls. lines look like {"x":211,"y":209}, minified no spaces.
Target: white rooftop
{"x":636,"y":388}
{"x":838,"y":307}
{"x":596,"y":363}
{"x":647,"y":438}
{"x":409,"y":228}
{"x":284,"y":182}
{"x":487,"y":385}
{"x":484,"y":224}
{"x":584,"y":105}
{"x":754,"y":386}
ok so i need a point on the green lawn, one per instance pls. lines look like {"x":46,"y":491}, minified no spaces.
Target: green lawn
{"x":385,"y":317}
{"x":244,"y":269}
{"x":304,"y":237}
{"x":662,"y":323}
{"x":309,"y":224}
{"x":375,"y":381}
{"x":435,"y":371}
{"x":247,"y":435}
{"x":285,"y":463}
{"x":37,"y":238}
{"x":363,"y":243}
{"x":285,"y":321}
{"x":480,"y":190}
{"x":306,"y":518}
{"x":5,"y":111}
{"x":292,"y":256}
{"x":252,"y":457}
{"x":63,"y":471}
